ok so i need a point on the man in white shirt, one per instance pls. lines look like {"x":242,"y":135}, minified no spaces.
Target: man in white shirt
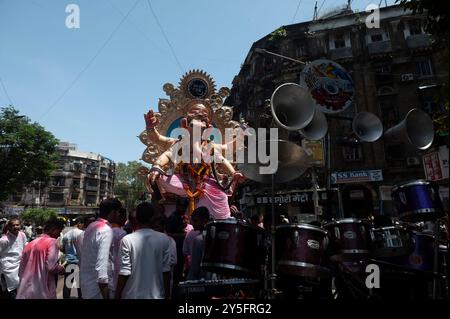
{"x":145,"y":260}
{"x":12,"y":244}
{"x":96,"y":262}
{"x":159,"y":224}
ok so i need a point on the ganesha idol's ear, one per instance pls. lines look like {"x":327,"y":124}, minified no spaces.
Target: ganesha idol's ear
{"x":183,"y":123}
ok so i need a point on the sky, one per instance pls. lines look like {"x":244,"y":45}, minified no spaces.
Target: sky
{"x":91,"y":85}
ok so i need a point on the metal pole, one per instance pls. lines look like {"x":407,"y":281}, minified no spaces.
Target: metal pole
{"x":259,"y":50}
{"x":273,"y":276}
{"x":436,"y":259}
{"x":315,"y":193}
{"x":341,"y":206}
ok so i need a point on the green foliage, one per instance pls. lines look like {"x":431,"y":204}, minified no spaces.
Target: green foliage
{"x":128,"y":186}
{"x":358,"y":18}
{"x":278,"y":33}
{"x":27,"y":152}
{"x":37,"y":216}
{"x":436,"y":11}
{"x":440,"y":121}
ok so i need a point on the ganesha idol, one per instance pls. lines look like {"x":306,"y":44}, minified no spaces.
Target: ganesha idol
{"x":186,"y":160}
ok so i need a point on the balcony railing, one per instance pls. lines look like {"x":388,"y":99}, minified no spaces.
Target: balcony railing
{"x":379,"y":47}
{"x":418,"y":41}
{"x":341,"y":53}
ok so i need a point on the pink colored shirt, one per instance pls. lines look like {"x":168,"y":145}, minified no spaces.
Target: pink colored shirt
{"x":38,"y":269}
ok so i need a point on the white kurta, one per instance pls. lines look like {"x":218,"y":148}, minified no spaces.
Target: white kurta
{"x":11,"y":248}
{"x":95,"y":258}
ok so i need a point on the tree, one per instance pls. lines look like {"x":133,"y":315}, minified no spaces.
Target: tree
{"x":27,"y":152}
{"x":129,"y":188}
{"x":37,"y":216}
{"x":436,"y":11}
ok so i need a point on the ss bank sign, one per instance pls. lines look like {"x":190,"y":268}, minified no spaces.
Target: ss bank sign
{"x":357,"y":176}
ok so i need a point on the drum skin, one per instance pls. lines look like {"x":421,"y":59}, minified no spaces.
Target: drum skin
{"x":233,"y":248}
{"x":300,"y":250}
{"x":349,"y":239}
{"x":417,"y":201}
{"x":390,"y":241}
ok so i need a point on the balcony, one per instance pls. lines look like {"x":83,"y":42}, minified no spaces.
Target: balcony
{"x":91,"y":188}
{"x":379,"y":47}
{"x":418,"y":41}
{"x":341,"y":53}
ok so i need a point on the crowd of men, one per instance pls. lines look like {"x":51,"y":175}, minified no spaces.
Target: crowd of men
{"x":139,"y":255}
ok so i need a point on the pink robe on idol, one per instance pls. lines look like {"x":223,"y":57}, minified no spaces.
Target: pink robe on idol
{"x":213,"y":198}
{"x":38,"y":269}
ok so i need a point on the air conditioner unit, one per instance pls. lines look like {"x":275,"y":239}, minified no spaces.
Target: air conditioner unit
{"x":411,"y":161}
{"x":407,"y":77}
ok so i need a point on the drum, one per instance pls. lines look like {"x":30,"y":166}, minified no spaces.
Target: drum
{"x":390,"y":241}
{"x":233,"y":248}
{"x":417,"y":201}
{"x":349,"y":239}
{"x":300,"y":250}
{"x":421,"y":256}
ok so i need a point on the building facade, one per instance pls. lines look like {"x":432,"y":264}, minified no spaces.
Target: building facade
{"x":394,"y":67}
{"x":80,"y":182}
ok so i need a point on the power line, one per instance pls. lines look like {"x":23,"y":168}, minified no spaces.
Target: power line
{"x":165,"y":36}
{"x":138,"y":28}
{"x":296,"y":11}
{"x":6,"y":92}
{"x":90,"y":61}
{"x":320,"y":8}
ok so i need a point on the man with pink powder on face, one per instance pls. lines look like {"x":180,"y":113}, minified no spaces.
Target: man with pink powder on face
{"x":39,"y":265}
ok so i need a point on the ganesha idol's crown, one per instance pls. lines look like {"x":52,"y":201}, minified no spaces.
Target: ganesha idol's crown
{"x":196,"y":86}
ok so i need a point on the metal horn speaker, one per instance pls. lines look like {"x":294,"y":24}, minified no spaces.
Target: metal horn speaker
{"x":416,"y":128}
{"x":292,"y":106}
{"x":317,"y":128}
{"x":367,"y":127}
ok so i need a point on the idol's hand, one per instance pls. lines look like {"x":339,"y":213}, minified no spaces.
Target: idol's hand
{"x":150,"y":120}
{"x":238,"y":177}
{"x":153,"y":176}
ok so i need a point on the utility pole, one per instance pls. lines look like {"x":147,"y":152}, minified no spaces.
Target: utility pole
{"x":315,"y":12}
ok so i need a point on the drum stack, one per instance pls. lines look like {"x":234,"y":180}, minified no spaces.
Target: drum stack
{"x":328,"y":259}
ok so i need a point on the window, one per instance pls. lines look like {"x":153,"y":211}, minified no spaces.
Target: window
{"x":339,"y":40}
{"x":389,"y":114}
{"x":376,"y":37}
{"x":300,"y":51}
{"x":415,"y":27}
{"x":352,"y":153}
{"x":56,"y":197}
{"x":423,"y":67}
{"x":383,"y":73}
{"x":268,"y":64}
{"x":59,"y":181}
{"x":76,"y":183}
